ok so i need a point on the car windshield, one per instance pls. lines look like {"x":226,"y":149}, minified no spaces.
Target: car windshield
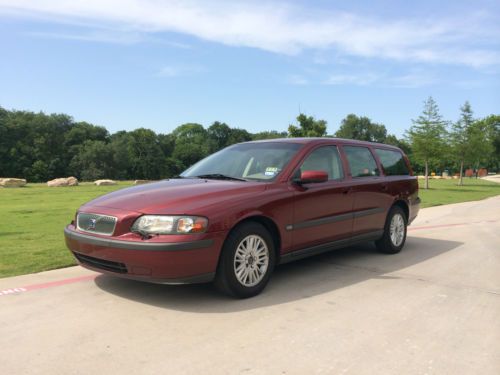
{"x":247,"y":161}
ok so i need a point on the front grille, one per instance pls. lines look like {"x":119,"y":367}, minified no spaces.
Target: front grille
{"x":102,"y":264}
{"x":95,"y":223}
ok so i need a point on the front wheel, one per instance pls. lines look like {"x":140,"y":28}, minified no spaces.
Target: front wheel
{"x":247,"y":261}
{"x":394,"y":236}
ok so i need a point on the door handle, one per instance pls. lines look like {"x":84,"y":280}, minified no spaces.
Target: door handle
{"x":346,"y":191}
{"x":385,"y":187}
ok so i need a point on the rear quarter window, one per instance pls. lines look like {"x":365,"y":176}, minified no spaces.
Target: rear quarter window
{"x":393,"y":162}
{"x":361,"y":161}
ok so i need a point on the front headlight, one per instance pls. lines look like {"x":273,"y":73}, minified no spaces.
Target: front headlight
{"x":159,"y":224}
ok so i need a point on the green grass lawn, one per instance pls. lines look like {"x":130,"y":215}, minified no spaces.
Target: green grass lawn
{"x":446,"y":191}
{"x":32,"y":219}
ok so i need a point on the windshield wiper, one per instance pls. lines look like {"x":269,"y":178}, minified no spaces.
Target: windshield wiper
{"x":219,"y":176}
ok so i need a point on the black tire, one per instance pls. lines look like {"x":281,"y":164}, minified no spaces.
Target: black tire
{"x":386,"y":243}
{"x":226,"y":278}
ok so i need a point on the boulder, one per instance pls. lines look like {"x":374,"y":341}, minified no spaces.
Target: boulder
{"x":104,"y":182}
{"x":140,"y":182}
{"x":57,"y":182}
{"x":12,"y":182}
{"x":64,"y":181}
{"x":72,"y":181}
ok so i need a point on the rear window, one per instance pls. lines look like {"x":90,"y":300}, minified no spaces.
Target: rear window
{"x":361,"y":161}
{"x":393,"y":162}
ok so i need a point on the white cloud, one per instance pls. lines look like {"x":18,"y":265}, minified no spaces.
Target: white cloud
{"x":297,"y":79}
{"x":105,"y":35}
{"x":286,"y":28}
{"x":352,"y":79}
{"x":413,"y":79}
{"x":93,"y":36}
{"x":171,"y":71}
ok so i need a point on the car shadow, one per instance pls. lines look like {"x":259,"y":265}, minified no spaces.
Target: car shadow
{"x":293,"y":281}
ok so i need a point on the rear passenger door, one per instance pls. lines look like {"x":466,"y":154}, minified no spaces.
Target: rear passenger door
{"x":370,"y":191}
{"x":322,"y":211}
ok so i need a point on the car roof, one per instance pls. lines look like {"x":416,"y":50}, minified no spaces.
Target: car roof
{"x":324,"y":140}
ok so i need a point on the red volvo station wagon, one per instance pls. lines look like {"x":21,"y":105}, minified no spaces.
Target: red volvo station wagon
{"x":235,"y":215}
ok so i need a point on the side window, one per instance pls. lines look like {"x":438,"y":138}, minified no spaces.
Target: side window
{"x":326,"y":159}
{"x":361,"y":161}
{"x":393,"y":162}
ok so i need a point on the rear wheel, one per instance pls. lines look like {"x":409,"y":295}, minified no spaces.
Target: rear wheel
{"x":247,"y":261}
{"x":394,"y":236}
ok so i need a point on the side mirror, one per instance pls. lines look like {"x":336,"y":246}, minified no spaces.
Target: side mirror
{"x":308,"y":177}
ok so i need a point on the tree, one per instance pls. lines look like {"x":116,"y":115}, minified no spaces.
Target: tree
{"x":237,"y":136}
{"x":145,"y":154}
{"x":427,"y":135}
{"x":4,"y":141}
{"x":75,"y":137}
{"x":401,"y":143}
{"x":269,"y":134}
{"x":218,"y":136}
{"x":173,"y":167}
{"x":29,"y":137}
{"x":491,"y":124}
{"x":121,"y":155}
{"x":39,"y":146}
{"x":480,"y":144}
{"x":464,"y":138}
{"x":167,"y":144}
{"x":83,"y":131}
{"x":361,"y":128}
{"x":190,"y":143}
{"x":307,"y":127}
{"x":93,"y":161}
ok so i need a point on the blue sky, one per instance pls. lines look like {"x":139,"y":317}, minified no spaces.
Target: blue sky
{"x":252,"y":64}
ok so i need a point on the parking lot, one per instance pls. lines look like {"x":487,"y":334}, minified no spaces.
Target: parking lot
{"x":432,"y":309}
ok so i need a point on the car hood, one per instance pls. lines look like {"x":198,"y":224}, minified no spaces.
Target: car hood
{"x":177,"y":196}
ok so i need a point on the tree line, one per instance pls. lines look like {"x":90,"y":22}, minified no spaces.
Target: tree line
{"x":465,"y":143}
{"x":39,"y":146}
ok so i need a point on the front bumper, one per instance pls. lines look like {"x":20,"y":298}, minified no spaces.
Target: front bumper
{"x":190,"y":260}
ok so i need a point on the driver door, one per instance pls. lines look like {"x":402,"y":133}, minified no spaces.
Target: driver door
{"x":322,"y":211}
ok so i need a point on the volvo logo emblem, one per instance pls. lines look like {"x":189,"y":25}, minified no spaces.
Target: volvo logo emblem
{"x":92,"y":224}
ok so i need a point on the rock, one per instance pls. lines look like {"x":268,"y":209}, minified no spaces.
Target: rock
{"x":72,"y":181}
{"x":140,"y":182}
{"x":104,"y":182}
{"x":64,"y":181}
{"x":57,"y":182}
{"x":12,"y":182}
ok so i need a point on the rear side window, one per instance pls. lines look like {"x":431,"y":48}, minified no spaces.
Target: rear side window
{"x":361,"y":161}
{"x":326,"y":159}
{"x":393,"y":162}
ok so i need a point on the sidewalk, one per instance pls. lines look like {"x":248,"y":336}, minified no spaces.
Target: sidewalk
{"x":492,"y":178}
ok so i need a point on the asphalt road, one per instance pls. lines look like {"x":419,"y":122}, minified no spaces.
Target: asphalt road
{"x":432,"y":309}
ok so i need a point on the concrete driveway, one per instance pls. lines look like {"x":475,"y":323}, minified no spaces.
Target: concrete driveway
{"x":432,"y":309}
